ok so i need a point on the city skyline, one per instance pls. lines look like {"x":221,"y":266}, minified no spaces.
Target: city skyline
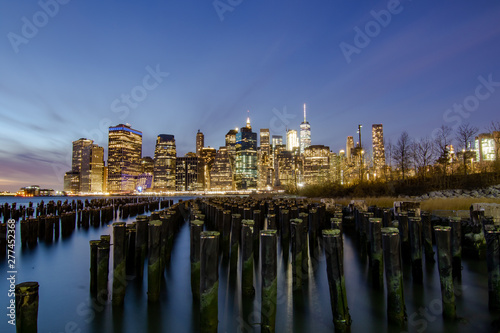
{"x":187,"y":67}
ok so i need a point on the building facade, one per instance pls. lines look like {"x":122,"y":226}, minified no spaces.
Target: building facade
{"x":221,"y":174}
{"x":200,"y":142}
{"x":124,"y":156}
{"x":188,"y":172}
{"x":378,"y":149}
{"x":316,"y":165}
{"x":292,"y":140}
{"x":305,"y":133}
{"x":92,"y":170}
{"x":246,"y":173}
{"x":165,"y":163}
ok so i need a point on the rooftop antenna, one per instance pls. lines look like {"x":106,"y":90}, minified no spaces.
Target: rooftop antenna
{"x":304,"y":112}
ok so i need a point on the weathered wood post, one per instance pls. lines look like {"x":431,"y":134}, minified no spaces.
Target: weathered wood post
{"x":456,"y":246}
{"x":226,"y":232}
{"x":141,"y":244}
{"x":376,"y":252}
{"x":235,"y":240}
{"x":154,"y":262}
{"x":396,"y":310}
{"x":209,"y":281}
{"x":103,"y":266}
{"x":493,"y":263}
{"x":247,"y":231}
{"x":26,"y":307}
{"x":271,"y":222}
{"x":195,"y":238}
{"x":269,"y":280}
{"x":94,"y":244}
{"x":427,"y":233}
{"x":404,"y":236}
{"x":334,"y":253}
{"x":298,"y":238}
{"x":119,"y":262}
{"x":336,"y":223}
{"x":443,"y":244}
{"x":415,"y":235}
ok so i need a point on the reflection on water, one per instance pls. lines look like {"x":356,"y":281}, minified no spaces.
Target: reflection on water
{"x":62,"y":269}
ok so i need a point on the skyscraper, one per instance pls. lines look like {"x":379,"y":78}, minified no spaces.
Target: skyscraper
{"x":165,"y":164}
{"x":221,"y":175}
{"x":305,"y":133}
{"x":264,"y":140}
{"x":188,"y":173}
{"x":78,"y":147}
{"x":277,"y":140}
{"x":92,"y":170}
{"x":200,"y":142}
{"x":291,"y":140}
{"x":207,"y":155}
{"x":246,"y":158}
{"x":316,"y":164}
{"x":349,"y":148}
{"x":378,"y":148}
{"x":124,"y":156}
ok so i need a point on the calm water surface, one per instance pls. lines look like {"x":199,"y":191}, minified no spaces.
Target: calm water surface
{"x":62,"y":270}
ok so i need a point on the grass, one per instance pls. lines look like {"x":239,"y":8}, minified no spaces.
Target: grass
{"x":426,"y":205}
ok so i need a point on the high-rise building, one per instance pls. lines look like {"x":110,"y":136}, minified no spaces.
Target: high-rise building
{"x":188,"y":173}
{"x":305,"y":133}
{"x":264,"y":140}
{"x":165,"y":165}
{"x":246,"y":173}
{"x":145,"y":179}
{"x":316,"y":164}
{"x":485,"y":144}
{"x":124,"y":156}
{"x":292,"y":140}
{"x":76,"y":164}
{"x":349,"y":148}
{"x":92,"y":170}
{"x":221,"y":175}
{"x":207,"y":155}
{"x":378,"y":148}
{"x":200,"y":142}
{"x":277,"y":140}
{"x":72,"y":182}
{"x":288,"y":169}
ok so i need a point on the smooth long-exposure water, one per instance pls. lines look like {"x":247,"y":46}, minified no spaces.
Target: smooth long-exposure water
{"x":62,"y":270}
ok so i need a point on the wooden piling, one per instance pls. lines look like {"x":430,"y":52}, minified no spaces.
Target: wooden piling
{"x":376,"y":252}
{"x":141,"y":244}
{"x":103,"y":267}
{"x":415,"y":235}
{"x":247,"y":230}
{"x":27,"y":307}
{"x":396,"y":310}
{"x":298,"y":238}
{"x":493,"y":264}
{"x":404,"y":236}
{"x":119,"y":262}
{"x":93,"y":266}
{"x":427,"y":234}
{"x":443,"y":245}
{"x":209,"y":281}
{"x":268,"y":241}
{"x":195,"y":237}
{"x":154,"y":262}
{"x":334,"y":255}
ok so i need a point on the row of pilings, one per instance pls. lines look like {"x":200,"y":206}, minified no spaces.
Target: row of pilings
{"x":52,"y":220}
{"x":247,"y":232}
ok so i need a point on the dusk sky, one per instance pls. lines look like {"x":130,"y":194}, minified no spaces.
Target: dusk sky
{"x":67,"y":74}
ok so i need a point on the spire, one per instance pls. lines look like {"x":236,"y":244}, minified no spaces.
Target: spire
{"x":304,"y":112}
{"x":248,"y":119}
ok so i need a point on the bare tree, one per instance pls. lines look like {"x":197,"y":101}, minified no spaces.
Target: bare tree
{"x":465,"y":134}
{"x":402,"y":153}
{"x":423,"y":155}
{"x":442,"y":142}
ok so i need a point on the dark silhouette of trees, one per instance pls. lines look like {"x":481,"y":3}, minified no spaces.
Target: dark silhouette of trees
{"x":442,"y":142}
{"x":465,"y":134}
{"x":423,"y":155}
{"x":402,"y":153}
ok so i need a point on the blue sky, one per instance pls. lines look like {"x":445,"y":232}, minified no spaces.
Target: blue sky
{"x":67,"y":78}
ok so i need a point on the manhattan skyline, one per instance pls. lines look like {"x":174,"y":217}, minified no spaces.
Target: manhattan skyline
{"x":189,"y":66}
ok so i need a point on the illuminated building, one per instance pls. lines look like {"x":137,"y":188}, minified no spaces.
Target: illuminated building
{"x":124,"y":155}
{"x":349,"y":148}
{"x":76,"y":163}
{"x":207,"y":155}
{"x":316,"y":164}
{"x":292,"y":141}
{"x":288,"y":169}
{"x":265,"y":160}
{"x":486,"y":148}
{"x":277,"y":140}
{"x":305,"y":133}
{"x":189,"y":170}
{"x":221,"y":175}
{"x":92,"y":169}
{"x":164,"y":165}
{"x":378,"y":148}
{"x":72,"y":182}
{"x":145,"y":179}
{"x":246,"y":173}
{"x":200,"y":142}
{"x":336,"y":167}
{"x":264,"y":141}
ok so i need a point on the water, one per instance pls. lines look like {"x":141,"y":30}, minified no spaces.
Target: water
{"x":62,"y":270}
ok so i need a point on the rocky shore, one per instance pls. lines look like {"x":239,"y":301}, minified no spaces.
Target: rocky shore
{"x":492,"y":192}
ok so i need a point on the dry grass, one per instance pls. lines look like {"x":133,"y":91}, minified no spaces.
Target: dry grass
{"x":426,"y":205}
